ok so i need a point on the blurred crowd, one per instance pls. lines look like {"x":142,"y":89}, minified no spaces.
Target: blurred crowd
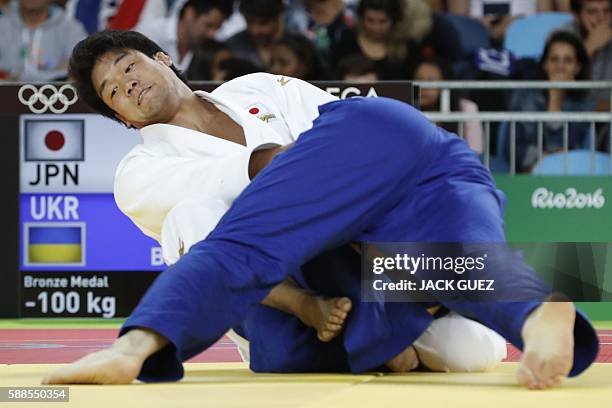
{"x":356,"y":40}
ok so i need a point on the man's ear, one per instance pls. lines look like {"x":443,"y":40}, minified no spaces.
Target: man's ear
{"x":126,"y":122}
{"x":163,"y":57}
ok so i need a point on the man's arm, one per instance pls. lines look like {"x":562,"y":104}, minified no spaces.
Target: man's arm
{"x":149,"y":184}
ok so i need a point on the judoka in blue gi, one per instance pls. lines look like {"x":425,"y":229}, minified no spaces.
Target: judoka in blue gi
{"x":370,"y":170}
{"x":199,"y":151}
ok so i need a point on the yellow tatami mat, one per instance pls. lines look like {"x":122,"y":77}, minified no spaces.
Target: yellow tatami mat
{"x":233,"y":385}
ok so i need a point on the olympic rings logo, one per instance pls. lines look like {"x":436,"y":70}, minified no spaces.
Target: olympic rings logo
{"x":47,"y":97}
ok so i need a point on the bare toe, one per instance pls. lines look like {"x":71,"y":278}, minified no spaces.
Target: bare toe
{"x":335,"y":319}
{"x":344,"y":304}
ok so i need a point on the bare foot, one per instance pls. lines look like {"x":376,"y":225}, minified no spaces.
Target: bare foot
{"x":548,"y":334}
{"x":405,"y":361}
{"x":119,"y":364}
{"x":325,"y":315}
{"x":102,"y":367}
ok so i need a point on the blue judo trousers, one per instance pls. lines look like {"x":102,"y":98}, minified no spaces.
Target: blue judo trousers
{"x":370,"y":170}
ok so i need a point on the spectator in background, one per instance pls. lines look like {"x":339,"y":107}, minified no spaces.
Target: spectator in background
{"x":207,"y":61}
{"x":437,"y":70}
{"x":4,"y":6}
{"x":295,"y":56}
{"x":264,"y":19}
{"x":497,"y":15}
{"x":36,"y":40}
{"x":592,"y":20}
{"x":386,"y":34}
{"x":374,"y":37}
{"x":232,"y":25}
{"x":179,"y":35}
{"x":357,"y":68}
{"x":323,"y":22}
{"x":564,"y":59}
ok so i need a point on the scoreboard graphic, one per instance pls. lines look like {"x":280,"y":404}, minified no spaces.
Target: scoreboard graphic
{"x":78,"y":251}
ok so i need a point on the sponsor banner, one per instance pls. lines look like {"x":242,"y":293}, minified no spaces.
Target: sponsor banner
{"x":82,"y":294}
{"x":82,"y":232}
{"x":400,"y":90}
{"x":71,"y":153}
{"x":557,"y":209}
{"x":433,"y":272}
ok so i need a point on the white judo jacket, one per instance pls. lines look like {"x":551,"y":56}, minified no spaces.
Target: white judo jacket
{"x":174,"y":163}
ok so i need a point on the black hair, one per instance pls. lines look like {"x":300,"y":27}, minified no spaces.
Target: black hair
{"x":87,"y":52}
{"x":356,"y":64}
{"x":581,"y":55}
{"x":200,"y":68}
{"x":237,"y":67}
{"x":205,"y":6}
{"x":266,"y":10}
{"x":443,"y":64}
{"x":392,"y":8}
{"x":576,"y":5}
{"x":447,"y":74}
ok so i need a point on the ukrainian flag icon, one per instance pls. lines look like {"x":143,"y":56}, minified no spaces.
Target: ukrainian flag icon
{"x":54,"y":244}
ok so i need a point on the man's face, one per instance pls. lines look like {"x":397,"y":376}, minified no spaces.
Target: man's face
{"x":141,"y":90}
{"x":33,"y":5}
{"x":594,"y":13}
{"x":202,"y":27}
{"x":262,"y":31}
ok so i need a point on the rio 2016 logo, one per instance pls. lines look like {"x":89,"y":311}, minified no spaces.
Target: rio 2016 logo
{"x":570,"y":198}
